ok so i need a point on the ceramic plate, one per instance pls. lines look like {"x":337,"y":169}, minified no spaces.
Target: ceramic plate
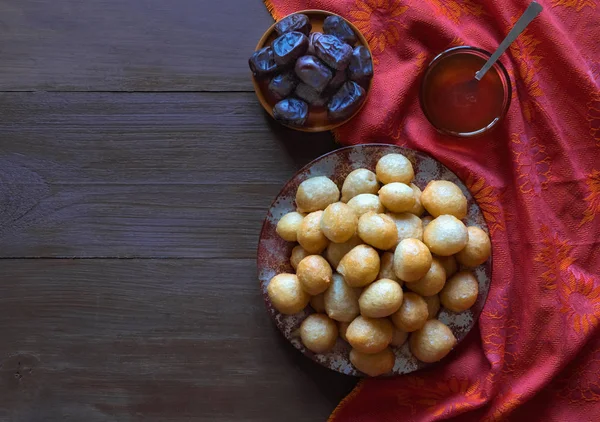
{"x":274,"y":252}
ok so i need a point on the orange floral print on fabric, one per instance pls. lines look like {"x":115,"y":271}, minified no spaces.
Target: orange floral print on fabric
{"x":487,"y":198}
{"x":578,"y":5}
{"x":526,"y":81}
{"x":380,"y":21}
{"x":555,"y":256}
{"x":593,"y":198}
{"x":593,"y":117}
{"x":504,"y":404}
{"x":580,"y":301}
{"x":582,"y":382}
{"x":533,"y":164}
{"x":455,"y":9}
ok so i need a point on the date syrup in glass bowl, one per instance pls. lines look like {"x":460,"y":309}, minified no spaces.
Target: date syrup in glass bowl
{"x":454,"y":102}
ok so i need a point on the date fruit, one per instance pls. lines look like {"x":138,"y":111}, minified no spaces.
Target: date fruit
{"x":312,"y":72}
{"x":346,"y":101}
{"x":310,"y":95}
{"x":288,"y":47}
{"x":335,"y":53}
{"x":283,"y":85}
{"x":297,"y":22}
{"x":360,"y":68}
{"x":314,"y":36}
{"x":337,"y":26}
{"x":262,"y":63}
{"x":291,"y":111}
{"x":338,"y":80}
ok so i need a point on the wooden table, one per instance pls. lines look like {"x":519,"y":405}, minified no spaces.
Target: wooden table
{"x":136,"y":167}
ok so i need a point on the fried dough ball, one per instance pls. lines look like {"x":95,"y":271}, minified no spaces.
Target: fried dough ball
{"x":286,"y":294}
{"x":339,"y":222}
{"x":418,"y":209}
{"x":394,"y":168}
{"x":397,"y":197}
{"x":412,"y":260}
{"x":316,"y":193}
{"x":380,"y":298}
{"x":366,"y":202}
{"x":460,"y":292}
{"x":317,"y":302}
{"x":298,"y":254}
{"x":426,"y":220}
{"x":310,"y":235}
{"x":378,"y":230}
{"x":370,"y":335}
{"x":318,"y":333}
{"x":432,"y":342}
{"x":336,"y":251}
{"x":399,"y":337}
{"x":449,"y":264}
{"x":446,"y":235}
{"x":288,"y":225}
{"x":314,"y":274}
{"x":478,"y":249}
{"x":433,"y":305}
{"x":412,"y":314}
{"x":342,"y":328}
{"x":341,"y":300}
{"x":432,"y":283}
{"x":443,"y":197}
{"x":386,"y":268}
{"x":373,"y":364}
{"x":357,"y":182}
{"x":409,"y":226}
{"x":360,"y":266}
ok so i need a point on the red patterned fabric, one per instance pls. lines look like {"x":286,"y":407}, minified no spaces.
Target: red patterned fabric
{"x":536,"y":352}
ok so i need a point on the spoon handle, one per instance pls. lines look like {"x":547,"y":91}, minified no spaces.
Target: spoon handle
{"x":530,"y":14}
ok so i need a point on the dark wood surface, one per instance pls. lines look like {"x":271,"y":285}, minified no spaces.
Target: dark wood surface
{"x":136,"y":167}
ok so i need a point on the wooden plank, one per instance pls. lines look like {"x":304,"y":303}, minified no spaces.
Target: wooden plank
{"x":129,"y":45}
{"x":141,"y":175}
{"x":150,"y":340}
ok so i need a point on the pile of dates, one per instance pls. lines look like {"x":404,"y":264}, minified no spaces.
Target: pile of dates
{"x":312,"y":69}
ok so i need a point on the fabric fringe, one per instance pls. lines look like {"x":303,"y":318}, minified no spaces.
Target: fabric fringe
{"x":346,"y":399}
{"x":271,"y":9}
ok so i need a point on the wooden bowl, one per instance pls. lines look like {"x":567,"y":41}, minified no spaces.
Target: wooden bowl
{"x":273,"y":255}
{"x":317,"y":120}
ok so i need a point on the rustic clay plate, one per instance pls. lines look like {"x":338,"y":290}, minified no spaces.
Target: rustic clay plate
{"x":317,"y":116}
{"x":274,"y":252}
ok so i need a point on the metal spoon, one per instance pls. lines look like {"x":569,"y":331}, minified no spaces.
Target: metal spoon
{"x":530,"y":14}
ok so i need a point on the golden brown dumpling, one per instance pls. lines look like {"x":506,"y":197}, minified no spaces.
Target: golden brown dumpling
{"x":397,"y":197}
{"x":443,"y":197}
{"x":409,"y":226}
{"x":426,"y":220}
{"x":478,"y":249}
{"x":357,"y":182}
{"x":394,"y":168}
{"x":380,"y":298}
{"x":412,"y":314}
{"x":310,"y":235}
{"x":370,"y":335}
{"x":378,"y":230}
{"x":460,"y":292}
{"x":298,"y":254}
{"x":449,"y":264}
{"x":318,"y":333}
{"x":317,"y":302}
{"x":364,"y":203}
{"x":339,"y":222}
{"x":336,"y":251}
{"x":288,"y":225}
{"x":399,"y":337}
{"x":341,"y":300}
{"x":316,"y":193}
{"x":342,"y":328}
{"x":446,"y":235}
{"x":412,"y":260}
{"x":360,"y":266}
{"x":386,"y":268}
{"x":432,"y":342}
{"x":432,"y":282}
{"x":433,"y":305}
{"x":286,"y":294}
{"x":418,"y":209}
{"x":373,"y":364}
{"x":314,"y":274}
